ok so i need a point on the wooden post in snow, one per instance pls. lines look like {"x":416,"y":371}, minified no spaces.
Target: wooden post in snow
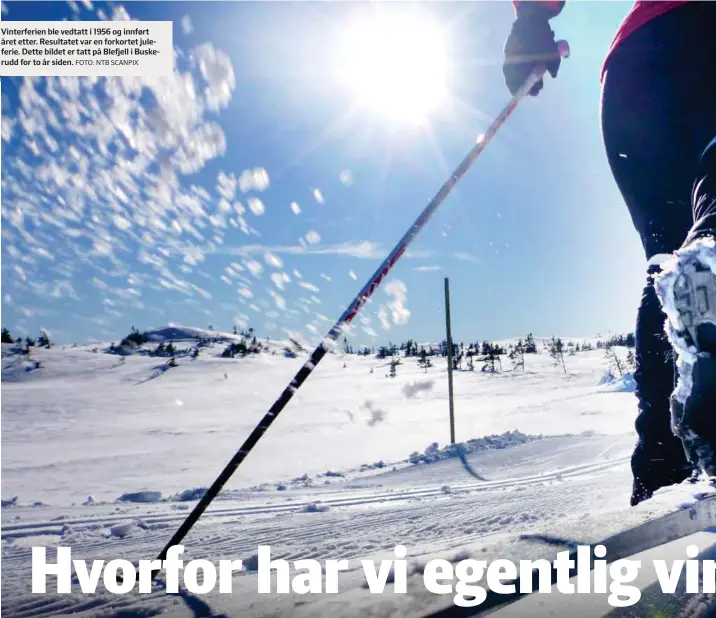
{"x":449,"y":356}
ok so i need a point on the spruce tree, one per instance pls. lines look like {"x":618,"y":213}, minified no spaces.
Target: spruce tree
{"x":43,"y":341}
{"x":5,"y":337}
{"x":613,"y":360}
{"x":631,"y":361}
{"x":556,"y":351}
{"x":490,"y":359}
{"x":517,"y":356}
{"x":530,"y":345}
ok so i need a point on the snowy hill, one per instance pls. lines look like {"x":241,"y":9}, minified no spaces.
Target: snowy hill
{"x":186,"y":333}
{"x":130,"y":413}
{"x":106,"y":453}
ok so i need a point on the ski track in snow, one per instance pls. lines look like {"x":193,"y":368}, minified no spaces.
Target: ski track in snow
{"x":111,"y":431}
{"x":359,"y":523}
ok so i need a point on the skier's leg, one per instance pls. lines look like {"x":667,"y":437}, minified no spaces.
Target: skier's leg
{"x":658,"y":458}
{"x":688,"y":291}
{"x":660,"y":101}
{"x":647,"y":145}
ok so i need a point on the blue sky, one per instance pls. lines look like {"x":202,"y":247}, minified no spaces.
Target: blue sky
{"x":112,"y":191}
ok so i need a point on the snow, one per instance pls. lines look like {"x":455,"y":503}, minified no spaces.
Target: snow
{"x":186,"y":25}
{"x":107,"y":455}
{"x":123,"y":530}
{"x":625,"y":384}
{"x":313,"y":237}
{"x":141,"y":496}
{"x":186,"y":333}
{"x":596,"y":605}
{"x":346,"y":177}
{"x":254,"y":180}
{"x":701,"y":250}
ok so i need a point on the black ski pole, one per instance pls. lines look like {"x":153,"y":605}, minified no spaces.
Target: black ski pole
{"x":352,"y":310}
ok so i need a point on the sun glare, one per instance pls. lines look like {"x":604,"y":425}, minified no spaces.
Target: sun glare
{"x":396,"y":65}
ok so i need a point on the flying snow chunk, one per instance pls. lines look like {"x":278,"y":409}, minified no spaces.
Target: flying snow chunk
{"x":119,"y":13}
{"x":346,"y":178}
{"x":64,"y":289}
{"x":273,"y":260}
{"x":246,"y":293}
{"x":296,"y":208}
{"x":256,"y":206}
{"x":384,"y":318}
{"x":193,"y":255}
{"x":309,"y":286}
{"x":254,"y":267}
{"x":101,"y":248}
{"x":226,"y":186}
{"x":7,"y":125}
{"x":186,"y":25}
{"x":207,"y":141}
{"x":280,"y":280}
{"x":411,"y":390}
{"x":256,"y":179}
{"x":121,"y":223}
{"x":279,"y":300}
{"x":377,"y":415}
{"x":318,"y":196}
{"x":399,"y":312}
{"x":313,"y":237}
{"x":216,"y":69}
{"x":352,"y":275}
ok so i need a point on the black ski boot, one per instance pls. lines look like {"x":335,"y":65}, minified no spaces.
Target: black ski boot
{"x":653,"y":471}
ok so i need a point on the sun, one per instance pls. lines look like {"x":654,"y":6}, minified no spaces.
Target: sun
{"x":395,"y":63}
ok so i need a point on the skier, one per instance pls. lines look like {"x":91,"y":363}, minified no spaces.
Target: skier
{"x":658,"y":117}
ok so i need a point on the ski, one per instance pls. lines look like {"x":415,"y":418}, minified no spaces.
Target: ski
{"x":676,"y":525}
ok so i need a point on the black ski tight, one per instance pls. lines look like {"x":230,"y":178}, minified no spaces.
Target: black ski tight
{"x":659,"y":127}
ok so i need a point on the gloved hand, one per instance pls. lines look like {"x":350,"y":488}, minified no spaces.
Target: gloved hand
{"x":531,"y":43}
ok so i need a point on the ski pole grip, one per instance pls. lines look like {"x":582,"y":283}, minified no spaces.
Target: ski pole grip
{"x":539,"y":71}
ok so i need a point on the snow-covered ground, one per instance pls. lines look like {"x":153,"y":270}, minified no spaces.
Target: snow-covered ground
{"x":332,"y":478}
